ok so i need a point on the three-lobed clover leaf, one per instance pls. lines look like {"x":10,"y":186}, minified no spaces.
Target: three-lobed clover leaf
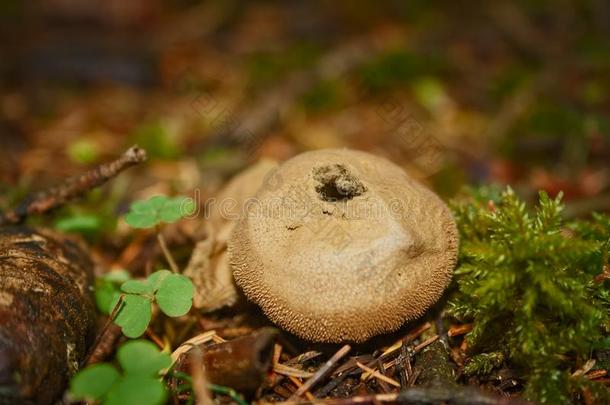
{"x":141,"y":363}
{"x":157,"y":209}
{"x":172,"y":292}
{"x":135,"y":315}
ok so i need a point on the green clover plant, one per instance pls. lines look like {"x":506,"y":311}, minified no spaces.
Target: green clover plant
{"x":138,"y":381}
{"x":158,"y":209}
{"x":173,"y":293}
{"x":131,"y":304}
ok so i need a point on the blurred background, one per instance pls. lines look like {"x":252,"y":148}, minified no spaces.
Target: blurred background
{"x":458,"y":93}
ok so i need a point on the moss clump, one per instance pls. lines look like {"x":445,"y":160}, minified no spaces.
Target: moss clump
{"x":531,"y":285}
{"x":483,"y":363}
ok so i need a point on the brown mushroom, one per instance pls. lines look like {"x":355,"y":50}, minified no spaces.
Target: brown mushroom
{"x":209,"y":267}
{"x":343,"y":246}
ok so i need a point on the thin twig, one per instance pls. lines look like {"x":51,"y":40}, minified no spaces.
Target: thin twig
{"x":595,"y":374}
{"x":458,"y":330}
{"x":425,"y":343}
{"x":322,"y":392}
{"x":283,"y":369}
{"x":378,"y":375}
{"x":105,"y":344}
{"x":303,"y":357}
{"x":403,"y":364}
{"x":584,"y":369}
{"x":102,"y":336}
{"x":299,"y":384}
{"x":73,"y":187}
{"x":384,"y":386}
{"x":395,"y":361}
{"x":154,"y":338}
{"x":322,"y":372}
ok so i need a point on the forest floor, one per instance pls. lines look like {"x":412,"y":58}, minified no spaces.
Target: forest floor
{"x":459,"y":97}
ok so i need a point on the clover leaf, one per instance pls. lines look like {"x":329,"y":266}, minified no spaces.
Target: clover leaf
{"x":85,"y":224}
{"x":136,"y":287}
{"x":93,"y":382}
{"x":142,"y":356}
{"x":157,"y":209}
{"x":175,"y":295}
{"x":137,"y":389}
{"x":172,"y":292}
{"x":135,"y":315}
{"x":139,"y":383}
{"x":155,"y":279}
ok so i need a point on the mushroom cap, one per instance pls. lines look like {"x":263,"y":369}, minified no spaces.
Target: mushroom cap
{"x":341,"y":245}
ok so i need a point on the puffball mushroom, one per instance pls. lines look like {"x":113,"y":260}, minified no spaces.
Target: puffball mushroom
{"x":342,"y":245}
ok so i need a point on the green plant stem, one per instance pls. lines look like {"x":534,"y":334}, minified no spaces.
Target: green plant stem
{"x":166,"y":252}
{"x":219,"y":389}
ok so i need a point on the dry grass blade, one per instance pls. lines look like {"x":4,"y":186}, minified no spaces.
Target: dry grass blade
{"x":291,"y":371}
{"x":322,"y":372}
{"x":584,"y":369}
{"x":197,"y":340}
{"x":299,"y":384}
{"x":595,"y":374}
{"x":425,"y":343}
{"x":407,"y":339}
{"x":302,"y":358}
{"x":377,"y":375}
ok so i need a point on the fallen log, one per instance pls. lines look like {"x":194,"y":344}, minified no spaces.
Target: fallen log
{"x":47,"y":314}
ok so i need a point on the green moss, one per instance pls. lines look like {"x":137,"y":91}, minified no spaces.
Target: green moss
{"x":266,"y":67}
{"x":397,"y":68}
{"x":508,"y":81}
{"x":323,"y":96}
{"x":526,"y":281}
{"x":483,"y":363}
{"x":158,"y":140}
